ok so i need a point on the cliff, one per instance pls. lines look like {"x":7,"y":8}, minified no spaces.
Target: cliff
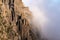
{"x":15,"y":21}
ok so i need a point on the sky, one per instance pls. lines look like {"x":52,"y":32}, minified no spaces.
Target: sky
{"x":47,"y":16}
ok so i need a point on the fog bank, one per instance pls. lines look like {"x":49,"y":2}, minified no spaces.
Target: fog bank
{"x":46,"y":17}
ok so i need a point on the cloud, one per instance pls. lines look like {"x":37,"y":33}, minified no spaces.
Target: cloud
{"x":39,"y":18}
{"x":46,"y":11}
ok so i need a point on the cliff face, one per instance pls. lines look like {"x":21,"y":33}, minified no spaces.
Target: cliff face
{"x":15,"y":21}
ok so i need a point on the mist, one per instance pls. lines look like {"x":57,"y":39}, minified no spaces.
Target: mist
{"x":46,"y":17}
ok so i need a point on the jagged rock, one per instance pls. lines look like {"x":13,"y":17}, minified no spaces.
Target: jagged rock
{"x":15,"y":21}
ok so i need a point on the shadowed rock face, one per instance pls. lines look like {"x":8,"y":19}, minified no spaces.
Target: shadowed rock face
{"x":15,"y":21}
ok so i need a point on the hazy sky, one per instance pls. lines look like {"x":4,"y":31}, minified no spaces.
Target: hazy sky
{"x":47,"y":13}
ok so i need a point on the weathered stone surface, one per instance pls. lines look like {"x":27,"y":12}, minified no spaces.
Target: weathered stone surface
{"x":15,"y":21}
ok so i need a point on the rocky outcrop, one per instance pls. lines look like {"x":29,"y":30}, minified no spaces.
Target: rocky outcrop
{"x":15,"y":21}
